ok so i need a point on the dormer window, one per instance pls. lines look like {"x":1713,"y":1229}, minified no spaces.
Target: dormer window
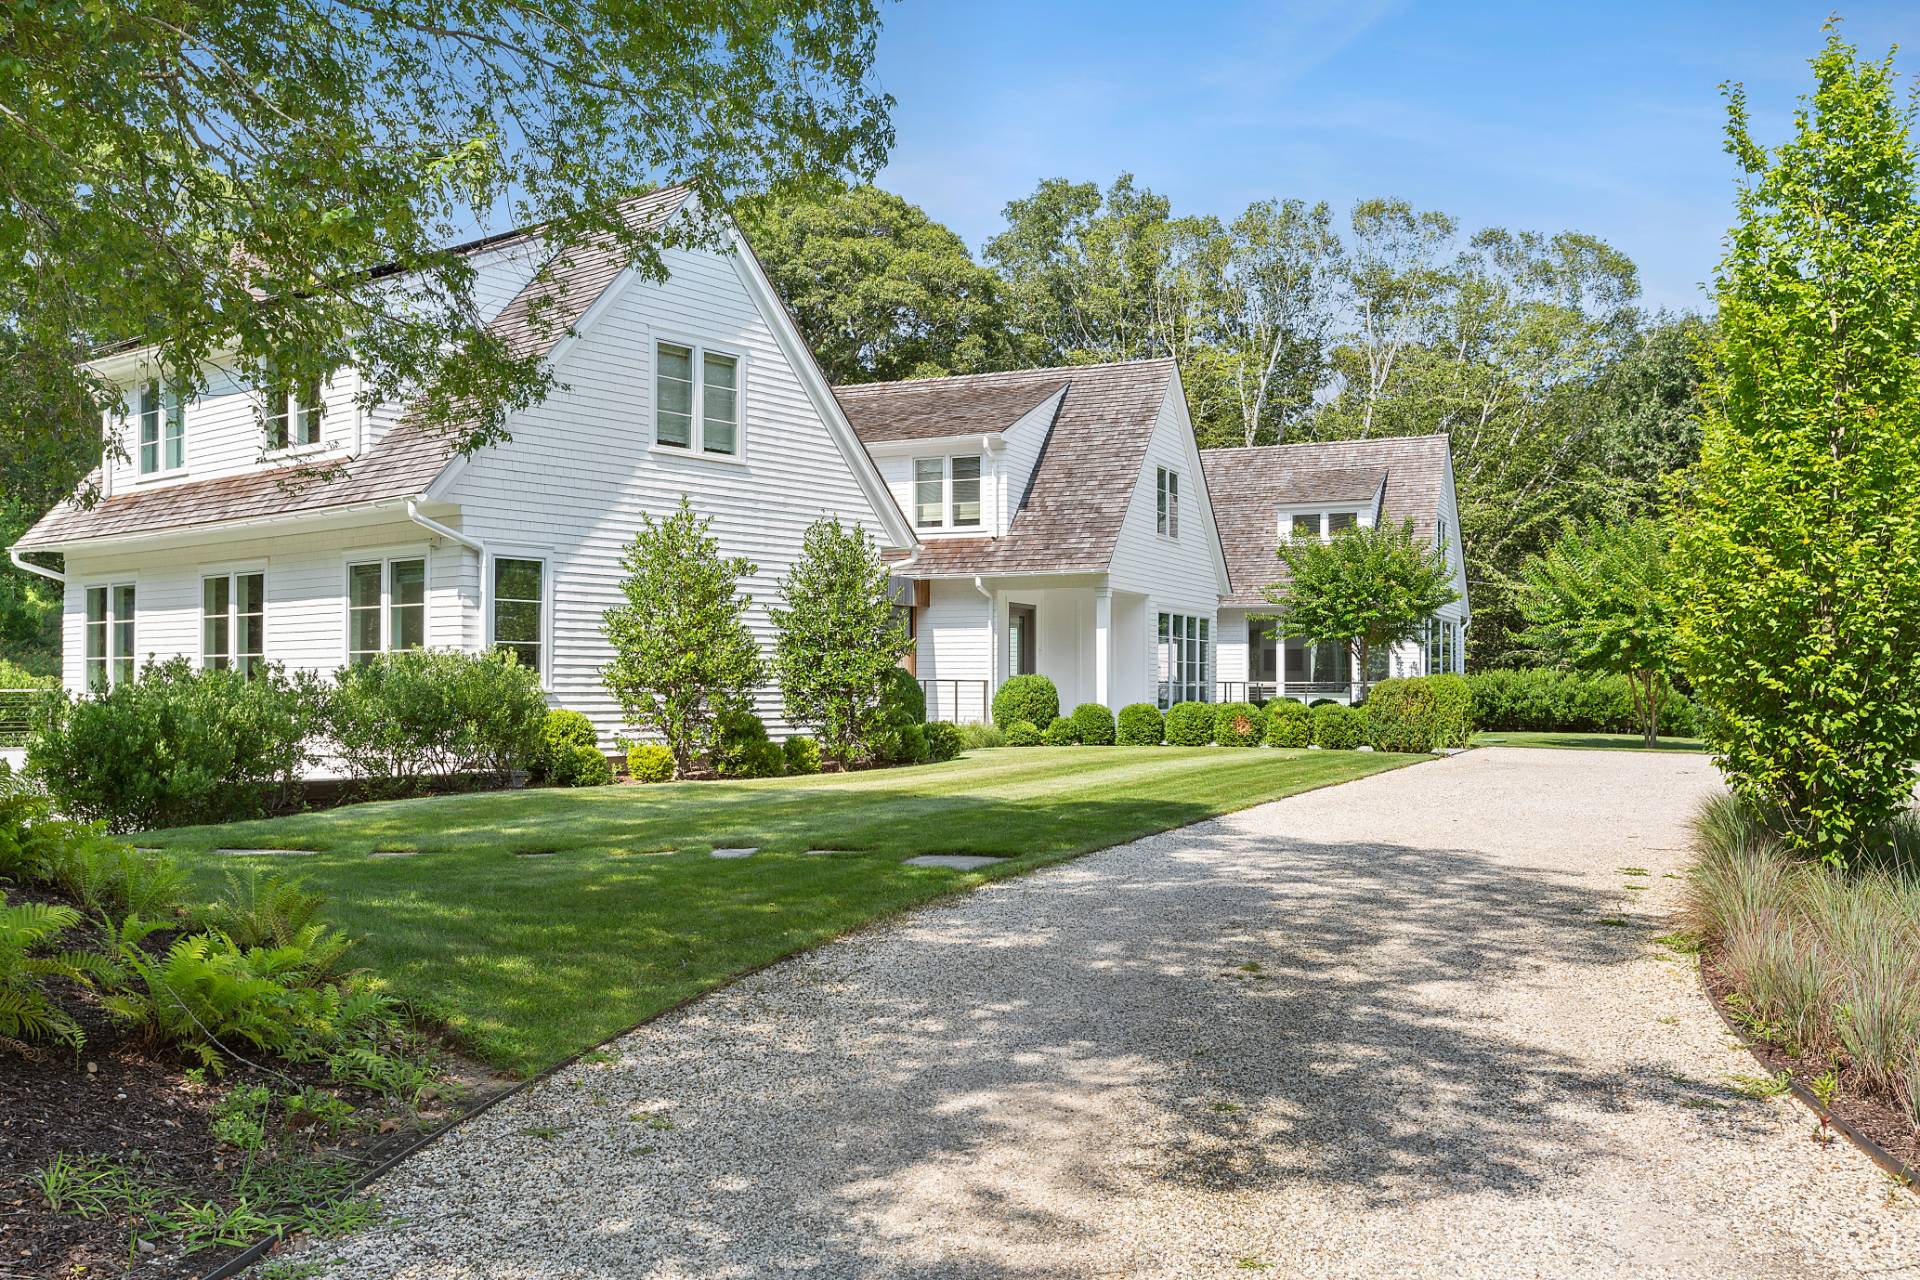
{"x":163,"y":428}
{"x":293,"y":415}
{"x":946,"y":492}
{"x":1302,"y":525}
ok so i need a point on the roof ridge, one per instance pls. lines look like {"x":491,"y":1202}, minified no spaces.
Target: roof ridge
{"x":1001,"y":373}
{"x":1306,"y":444}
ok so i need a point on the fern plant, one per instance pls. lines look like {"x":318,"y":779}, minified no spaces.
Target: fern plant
{"x":26,"y":1013}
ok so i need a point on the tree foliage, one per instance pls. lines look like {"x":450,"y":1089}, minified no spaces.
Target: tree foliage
{"x":1365,"y":588}
{"x":682,"y":654}
{"x":1599,"y":601}
{"x":839,"y":640}
{"x":1799,"y":552}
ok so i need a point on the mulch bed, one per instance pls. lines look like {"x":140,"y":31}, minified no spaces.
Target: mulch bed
{"x":117,"y":1101}
{"x":1873,"y":1117}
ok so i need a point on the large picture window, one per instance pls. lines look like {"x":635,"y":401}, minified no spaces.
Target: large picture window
{"x":696,"y":399}
{"x":163,"y":428}
{"x":946,"y":492}
{"x":233,"y":622}
{"x":109,"y":646}
{"x":386,"y":607}
{"x":1185,"y":659}
{"x":519,"y":609}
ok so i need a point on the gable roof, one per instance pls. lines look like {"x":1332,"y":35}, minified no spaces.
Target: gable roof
{"x":1406,"y":476}
{"x":407,"y":458}
{"x":1069,"y":519}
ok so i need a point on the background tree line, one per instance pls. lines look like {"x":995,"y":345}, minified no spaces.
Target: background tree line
{"x":1564,"y":399}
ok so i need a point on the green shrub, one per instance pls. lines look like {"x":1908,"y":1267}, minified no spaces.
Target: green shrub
{"x":1238,"y":724}
{"x":943,"y":740}
{"x":1029,"y":698}
{"x":1545,"y":700}
{"x":178,"y":746}
{"x":560,"y":732}
{"x":742,"y":749}
{"x":649,"y":762}
{"x":1424,"y":713}
{"x":802,"y":754}
{"x":407,"y":719}
{"x":1289,"y":724}
{"x":903,"y":712}
{"x":977,"y":737}
{"x":1061,"y":733}
{"x":1022,"y":733}
{"x":1338,"y":728}
{"x":1141,"y":725}
{"x":1190,"y":724}
{"x":584,"y":767}
{"x":1093,"y":725}
{"x":908,"y":745}
{"x":1325,"y":702}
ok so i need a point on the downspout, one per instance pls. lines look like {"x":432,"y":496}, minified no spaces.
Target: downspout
{"x":993,"y":639}
{"x":20,"y":562}
{"x":480,"y":549}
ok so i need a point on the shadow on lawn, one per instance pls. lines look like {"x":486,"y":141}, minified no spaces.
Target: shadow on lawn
{"x":984,"y":1082}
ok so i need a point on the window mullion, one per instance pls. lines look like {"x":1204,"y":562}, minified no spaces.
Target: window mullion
{"x":697,"y":429}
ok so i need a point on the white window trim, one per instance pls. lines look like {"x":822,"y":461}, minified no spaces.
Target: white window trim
{"x":230,"y":572}
{"x":1161,"y":475}
{"x":162,"y":471}
{"x":946,"y":524}
{"x":1362,"y":519}
{"x":292,"y":449}
{"x":1167,"y":655}
{"x":110,"y":585}
{"x":385,"y":558}
{"x":697,"y":428}
{"x":545,"y":556}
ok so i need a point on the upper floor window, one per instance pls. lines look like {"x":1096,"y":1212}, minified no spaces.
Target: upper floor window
{"x":696,"y":399}
{"x":293,"y":415}
{"x":946,"y":492}
{"x":386,"y":607}
{"x":109,"y":654}
{"x":163,"y":428}
{"x":1167,"y":503}
{"x":1440,"y":535}
{"x":233,"y":622}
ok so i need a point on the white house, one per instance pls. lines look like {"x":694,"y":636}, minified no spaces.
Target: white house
{"x":1058,"y":521}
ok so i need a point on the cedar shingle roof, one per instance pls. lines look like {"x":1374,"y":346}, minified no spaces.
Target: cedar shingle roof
{"x":1069,"y":519}
{"x":1249,"y":486}
{"x":405,"y":461}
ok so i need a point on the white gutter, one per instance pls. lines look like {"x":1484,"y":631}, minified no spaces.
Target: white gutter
{"x":479,"y":547}
{"x":20,"y":562}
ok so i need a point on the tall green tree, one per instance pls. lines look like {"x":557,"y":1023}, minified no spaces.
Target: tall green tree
{"x":231,"y":174}
{"x":1651,"y":408}
{"x":881,"y":290}
{"x":1600,"y":600}
{"x":682,"y":654}
{"x":1365,"y":588}
{"x":1799,"y":551}
{"x":839,"y":640}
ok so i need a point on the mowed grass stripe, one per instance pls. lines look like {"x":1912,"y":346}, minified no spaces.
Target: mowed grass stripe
{"x":532,"y":959}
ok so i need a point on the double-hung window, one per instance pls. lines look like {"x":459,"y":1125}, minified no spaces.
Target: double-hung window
{"x":233,"y":622}
{"x":696,"y":399}
{"x":1167,"y":503}
{"x":293,"y":414}
{"x":946,"y":492}
{"x":1185,"y":659}
{"x":109,"y":651}
{"x":386,"y":608}
{"x":519,"y":609}
{"x":162,"y":419}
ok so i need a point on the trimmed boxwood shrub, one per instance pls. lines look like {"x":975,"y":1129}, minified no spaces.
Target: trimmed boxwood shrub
{"x":1093,"y":725}
{"x":1141,"y":725}
{"x":560,"y":732}
{"x":1546,"y":700}
{"x":743,"y":749}
{"x":1424,"y":713}
{"x":1023,"y":733}
{"x":1190,"y":724}
{"x":649,"y":762}
{"x":943,"y":740}
{"x":1061,"y":733}
{"x":1238,"y":724}
{"x":1338,"y":728}
{"x":1029,"y":698}
{"x":583,"y":767}
{"x":802,"y":754}
{"x":1289,"y":724}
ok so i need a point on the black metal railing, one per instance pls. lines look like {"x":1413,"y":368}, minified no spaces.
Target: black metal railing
{"x":961,"y":701}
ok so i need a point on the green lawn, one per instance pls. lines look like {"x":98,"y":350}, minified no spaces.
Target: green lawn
{"x":534,"y":958}
{"x":1585,"y":741}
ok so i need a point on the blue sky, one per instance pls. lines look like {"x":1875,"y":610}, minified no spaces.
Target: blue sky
{"x":1603,"y":117}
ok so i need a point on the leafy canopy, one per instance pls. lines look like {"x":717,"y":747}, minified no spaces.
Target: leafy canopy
{"x":1367,"y":588}
{"x":1599,"y":601}
{"x":839,"y":640}
{"x":1799,"y":551}
{"x":682,"y":654}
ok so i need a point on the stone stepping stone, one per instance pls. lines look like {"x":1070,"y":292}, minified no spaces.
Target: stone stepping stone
{"x":534,"y":853}
{"x":957,"y":861}
{"x":746,"y":852}
{"x":266,"y":853}
{"x":828,"y":853}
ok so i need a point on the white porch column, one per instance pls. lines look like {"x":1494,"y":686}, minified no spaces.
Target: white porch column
{"x":1103,"y":646}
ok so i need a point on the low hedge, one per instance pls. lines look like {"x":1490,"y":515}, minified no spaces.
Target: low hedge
{"x":649,"y":762}
{"x":1141,"y":725}
{"x":1061,"y":733}
{"x":1023,"y":733}
{"x":1190,"y":724}
{"x":1238,"y":724}
{"x":1093,"y":725}
{"x":1419,"y":714}
{"x":1289,"y":724}
{"x":1338,"y":728}
{"x":1547,"y":700}
{"x":1029,"y":698}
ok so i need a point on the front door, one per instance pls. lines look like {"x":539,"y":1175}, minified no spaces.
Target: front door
{"x":1020,"y":640}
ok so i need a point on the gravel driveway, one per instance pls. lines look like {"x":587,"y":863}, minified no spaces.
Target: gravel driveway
{"x":1414,"y":1025}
